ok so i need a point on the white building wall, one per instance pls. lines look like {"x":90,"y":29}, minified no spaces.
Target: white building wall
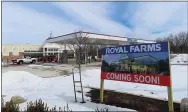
{"x":48,"y":46}
{"x":145,"y":41}
{"x":16,"y":48}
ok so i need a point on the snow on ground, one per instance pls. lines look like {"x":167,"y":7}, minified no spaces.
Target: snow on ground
{"x":34,"y":65}
{"x":179,"y":84}
{"x":40,"y":66}
{"x":59,"y":90}
{"x":3,"y":64}
{"x":55,"y":91}
{"x":180,"y":59}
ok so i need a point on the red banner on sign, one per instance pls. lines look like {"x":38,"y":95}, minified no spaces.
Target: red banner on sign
{"x":137,"y":78}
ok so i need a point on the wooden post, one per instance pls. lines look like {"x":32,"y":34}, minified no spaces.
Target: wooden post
{"x":169,"y":88}
{"x":102,"y":91}
{"x":170,"y":99}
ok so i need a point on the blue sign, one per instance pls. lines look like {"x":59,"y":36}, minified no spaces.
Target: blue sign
{"x":138,"y":48}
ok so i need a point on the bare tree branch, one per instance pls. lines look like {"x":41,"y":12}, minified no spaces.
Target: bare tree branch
{"x":71,"y":48}
{"x":178,"y":42}
{"x":80,"y":43}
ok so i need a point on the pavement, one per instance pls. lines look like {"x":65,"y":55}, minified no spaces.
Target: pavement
{"x":47,"y":70}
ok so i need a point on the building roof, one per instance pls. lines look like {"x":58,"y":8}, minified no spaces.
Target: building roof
{"x":96,"y":38}
{"x":102,"y":35}
{"x":88,"y":33}
{"x":21,"y":45}
{"x":138,"y":39}
{"x":52,"y":45}
{"x":100,"y":39}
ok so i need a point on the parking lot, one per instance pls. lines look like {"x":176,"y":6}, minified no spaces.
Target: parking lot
{"x":46,"y":70}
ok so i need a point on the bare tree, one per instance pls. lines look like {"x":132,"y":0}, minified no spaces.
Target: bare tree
{"x":178,"y":42}
{"x":79,"y":45}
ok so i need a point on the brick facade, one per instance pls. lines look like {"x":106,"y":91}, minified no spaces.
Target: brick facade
{"x":12,"y":57}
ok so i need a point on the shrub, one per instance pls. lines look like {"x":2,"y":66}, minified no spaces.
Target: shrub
{"x":9,"y":107}
{"x":38,"y":106}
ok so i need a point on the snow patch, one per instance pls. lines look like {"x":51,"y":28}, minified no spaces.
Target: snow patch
{"x":55,"y":91}
{"x":180,"y":59}
{"x":34,"y":66}
{"x":3,"y":64}
{"x":44,"y":67}
{"x":13,"y":77}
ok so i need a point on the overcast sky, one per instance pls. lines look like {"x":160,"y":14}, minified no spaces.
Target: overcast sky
{"x":31,"y":22}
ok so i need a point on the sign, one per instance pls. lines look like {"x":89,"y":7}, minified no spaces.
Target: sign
{"x":139,"y":63}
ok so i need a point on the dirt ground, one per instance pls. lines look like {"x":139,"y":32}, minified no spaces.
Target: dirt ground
{"x":139,"y":103}
{"x":39,"y":72}
{"x":48,"y":69}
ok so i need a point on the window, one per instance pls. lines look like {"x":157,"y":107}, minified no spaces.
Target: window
{"x":26,"y":51}
{"x":45,"y":49}
{"x":40,"y":49}
{"x":50,"y":49}
{"x":53,"y":49}
{"x":50,"y":54}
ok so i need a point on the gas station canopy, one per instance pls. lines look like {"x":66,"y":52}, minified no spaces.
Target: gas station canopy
{"x":97,"y":39}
